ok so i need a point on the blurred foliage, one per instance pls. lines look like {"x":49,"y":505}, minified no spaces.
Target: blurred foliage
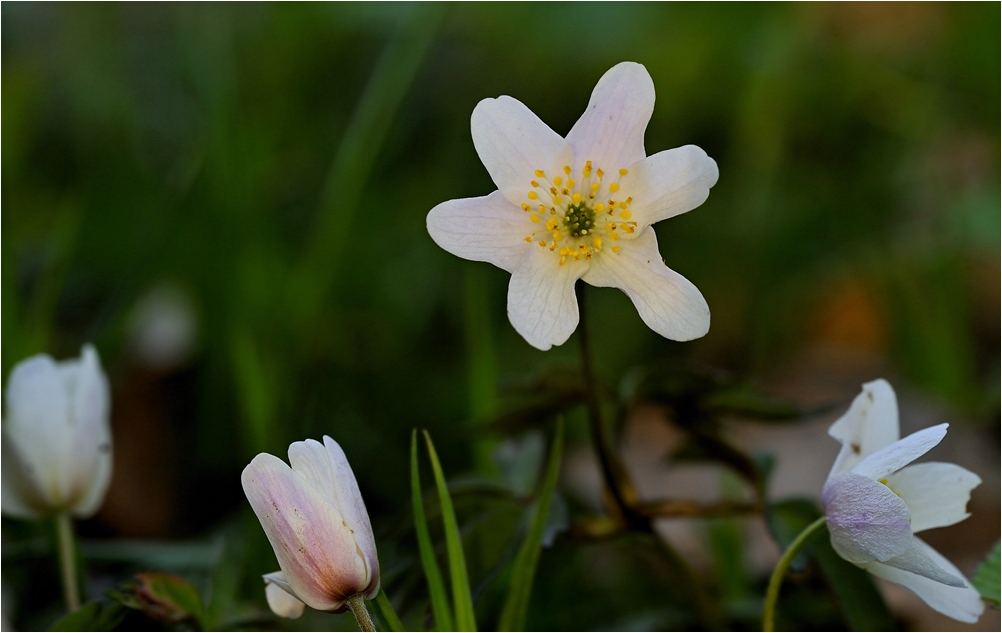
{"x":986,"y":579}
{"x":273,"y":164}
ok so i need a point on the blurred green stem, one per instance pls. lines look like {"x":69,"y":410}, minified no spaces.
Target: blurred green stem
{"x":67,"y":561}
{"x":357,"y":605}
{"x":772,"y":593}
{"x":617,"y":480}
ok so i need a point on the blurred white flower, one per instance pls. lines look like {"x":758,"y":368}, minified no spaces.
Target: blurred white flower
{"x":56,"y":437}
{"x":163,"y":328}
{"x":315,"y":519}
{"x":580,"y":207}
{"x":875,"y":503}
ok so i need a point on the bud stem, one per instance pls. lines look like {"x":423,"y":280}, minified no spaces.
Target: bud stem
{"x":67,"y":561}
{"x":357,"y":605}
{"x":772,"y":593}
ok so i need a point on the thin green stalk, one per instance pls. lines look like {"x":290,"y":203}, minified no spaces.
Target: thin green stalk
{"x":436,"y":587}
{"x":67,"y":561}
{"x":356,"y":604}
{"x":772,"y":593}
{"x":616,"y":478}
{"x":388,"y":614}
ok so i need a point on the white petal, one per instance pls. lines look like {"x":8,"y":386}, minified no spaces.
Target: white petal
{"x":325,"y":468}
{"x":866,"y":520}
{"x":667,"y":302}
{"x":280,"y":599}
{"x":20,"y":496}
{"x":936,"y":493}
{"x":901,"y":453}
{"x":37,"y":424}
{"x":541,"y":302}
{"x":669,"y":183}
{"x":487,"y":229}
{"x":90,"y":399}
{"x":959,"y":603}
{"x":349,"y":502}
{"x":870,"y":424}
{"x":314,"y":547}
{"x":513,"y":143}
{"x":916,"y":560}
{"x":611,"y":131}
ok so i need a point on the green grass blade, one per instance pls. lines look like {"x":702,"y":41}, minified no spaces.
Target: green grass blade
{"x":387,"y":614}
{"x":465,"y":619}
{"x":516,"y":605}
{"x":436,"y":588}
{"x":986,"y":578}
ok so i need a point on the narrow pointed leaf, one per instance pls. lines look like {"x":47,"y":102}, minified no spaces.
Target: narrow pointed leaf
{"x":516,"y":605}
{"x":387,"y":614}
{"x":986,"y":578}
{"x":461,"y":597}
{"x":436,"y":588}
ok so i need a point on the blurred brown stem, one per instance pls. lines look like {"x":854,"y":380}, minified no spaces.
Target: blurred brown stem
{"x":688,"y":508}
{"x":617,"y":480}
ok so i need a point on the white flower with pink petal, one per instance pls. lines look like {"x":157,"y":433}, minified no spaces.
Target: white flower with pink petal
{"x":316,"y":521}
{"x":580,"y":207}
{"x":875,"y":502}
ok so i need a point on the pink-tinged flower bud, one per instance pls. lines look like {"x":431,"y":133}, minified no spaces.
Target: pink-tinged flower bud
{"x":315,"y":519}
{"x":56,"y":437}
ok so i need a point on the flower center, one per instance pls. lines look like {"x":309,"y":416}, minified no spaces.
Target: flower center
{"x":577,"y":214}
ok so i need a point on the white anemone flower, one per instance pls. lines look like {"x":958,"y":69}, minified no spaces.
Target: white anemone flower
{"x":56,"y":437}
{"x":580,"y":207}
{"x":316,"y":521}
{"x":875,"y":502}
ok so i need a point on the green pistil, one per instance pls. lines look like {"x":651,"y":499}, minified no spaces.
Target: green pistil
{"x":579,"y":219}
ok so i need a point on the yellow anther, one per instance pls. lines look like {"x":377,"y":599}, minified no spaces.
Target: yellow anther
{"x":570,"y":183}
{"x":552,"y":224}
{"x":525,"y":207}
{"x":534,"y":217}
{"x":528,"y":238}
{"x":565,"y":251}
{"x":623,"y":172}
{"x":614,"y":187}
{"x":553,"y":211}
{"x":623,"y":204}
{"x":553,"y":191}
{"x":600,"y":173}
{"x":562,"y":260}
{"x":629,"y":199}
{"x":567,"y":169}
{"x":595,"y":186}
{"x":542,"y":243}
{"x":557,"y":236}
{"x":625,"y":215}
{"x":564,"y":191}
{"x":616,"y":249}
{"x":533,"y":195}
{"x":533,"y":183}
{"x":614,"y":236}
{"x":558,"y":181}
{"x":599,"y":207}
{"x":597,"y":242}
{"x":576,"y":198}
{"x":540,"y":173}
{"x":542,"y":208}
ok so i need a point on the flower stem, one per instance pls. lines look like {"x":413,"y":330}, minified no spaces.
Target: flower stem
{"x":616,"y":478}
{"x":357,"y":605}
{"x":67,"y":561}
{"x":772,"y":593}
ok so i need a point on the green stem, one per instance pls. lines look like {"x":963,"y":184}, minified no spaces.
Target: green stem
{"x":772,"y":593}
{"x":67,"y":561}
{"x":615,"y":475}
{"x":357,"y":605}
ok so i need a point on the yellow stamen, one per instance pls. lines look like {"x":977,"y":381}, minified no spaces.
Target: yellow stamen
{"x":567,"y":169}
{"x":558,"y":181}
{"x":557,"y":236}
{"x":614,"y":187}
{"x":599,"y":208}
{"x":534,"y":217}
{"x":533,"y":183}
{"x":576,"y":198}
{"x":540,"y":173}
{"x":623,"y":172}
{"x":616,"y":249}
{"x":625,"y":215}
{"x":570,"y":183}
{"x":528,"y":239}
{"x":533,"y":195}
{"x":600,"y":173}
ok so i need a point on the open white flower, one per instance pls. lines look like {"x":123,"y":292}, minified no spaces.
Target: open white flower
{"x":316,"y":521}
{"x":875,"y":502}
{"x":56,"y":437}
{"x":580,"y":207}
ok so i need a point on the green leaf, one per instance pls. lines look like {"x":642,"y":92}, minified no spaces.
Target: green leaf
{"x":855,"y":592}
{"x":93,"y":616}
{"x":461,"y":597}
{"x":387,"y":614}
{"x":986,"y":578}
{"x":516,"y":605}
{"x":436,"y":588}
{"x":162,"y":596}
